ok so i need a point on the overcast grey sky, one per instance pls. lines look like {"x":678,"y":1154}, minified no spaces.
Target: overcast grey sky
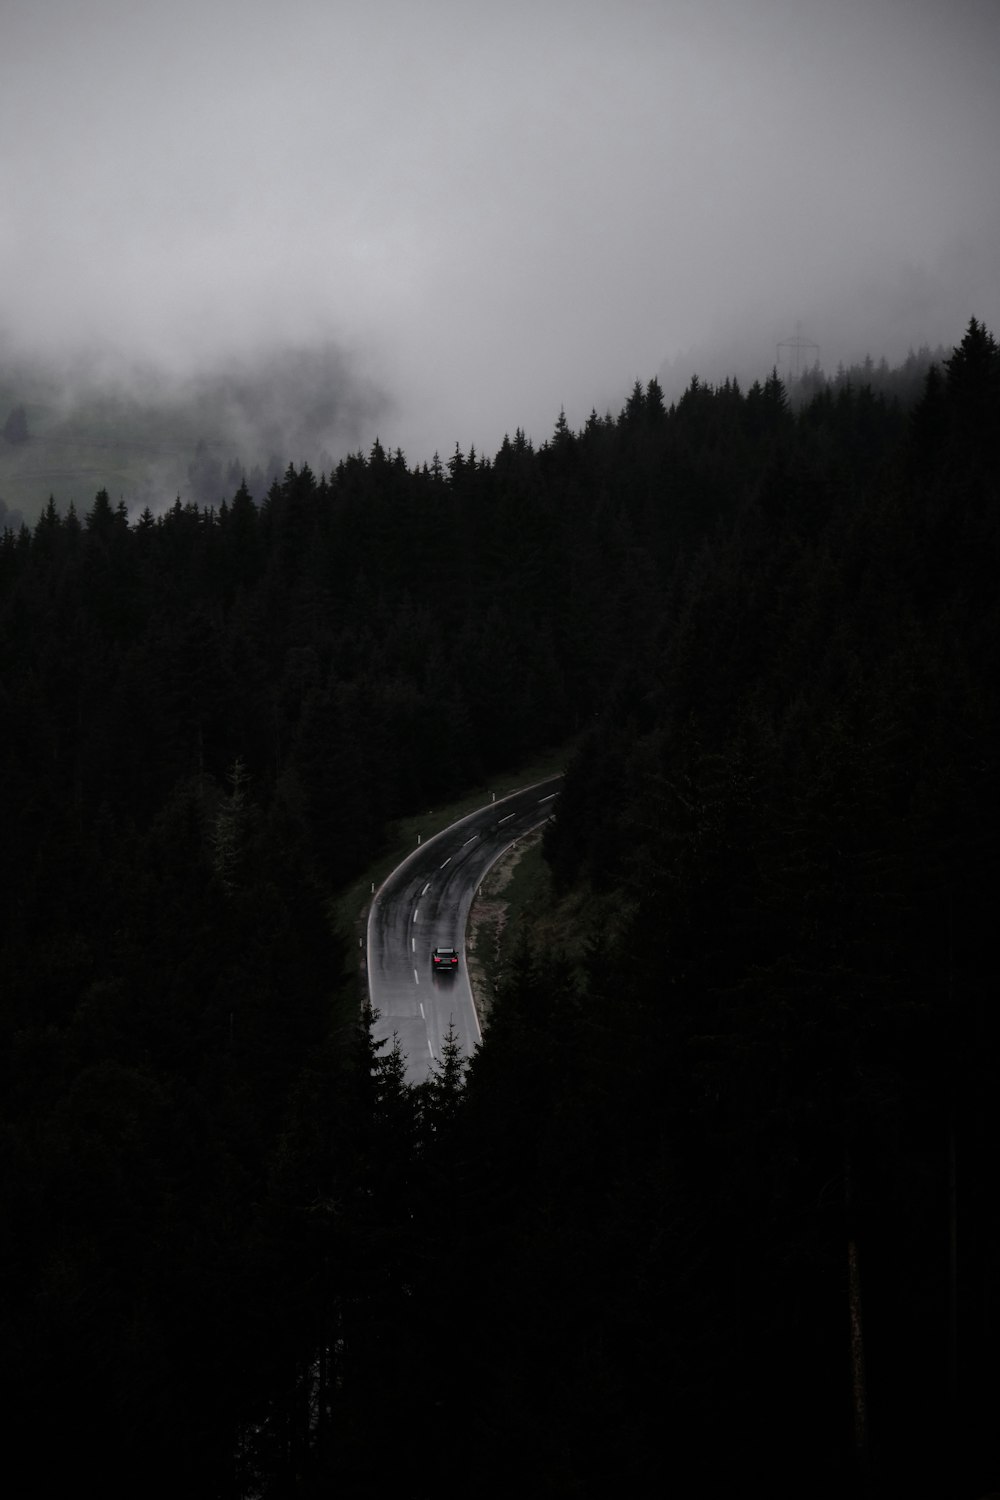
{"x":498,"y":209}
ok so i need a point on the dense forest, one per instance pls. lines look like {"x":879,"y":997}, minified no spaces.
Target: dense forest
{"x":714,"y":1204}
{"x":903,"y":383}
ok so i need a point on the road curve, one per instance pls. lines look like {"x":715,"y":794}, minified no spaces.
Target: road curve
{"x":424,"y":904}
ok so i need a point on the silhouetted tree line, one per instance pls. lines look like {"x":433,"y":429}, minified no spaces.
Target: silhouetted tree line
{"x":241,"y":1256}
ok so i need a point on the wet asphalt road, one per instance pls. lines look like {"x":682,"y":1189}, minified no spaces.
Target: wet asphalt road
{"x":425,"y":904}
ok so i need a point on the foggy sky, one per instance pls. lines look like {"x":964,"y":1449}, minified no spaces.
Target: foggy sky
{"x":496,"y":211}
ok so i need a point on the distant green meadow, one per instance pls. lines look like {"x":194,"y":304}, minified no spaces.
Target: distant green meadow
{"x":138,"y":453}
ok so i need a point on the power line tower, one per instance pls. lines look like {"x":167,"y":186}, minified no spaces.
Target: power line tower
{"x":797,"y":351}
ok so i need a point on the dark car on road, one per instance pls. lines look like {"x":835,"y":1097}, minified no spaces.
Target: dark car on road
{"x":444,"y":960}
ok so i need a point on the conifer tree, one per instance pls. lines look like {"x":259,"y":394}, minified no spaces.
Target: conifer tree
{"x":229,"y":828}
{"x":443,"y":1090}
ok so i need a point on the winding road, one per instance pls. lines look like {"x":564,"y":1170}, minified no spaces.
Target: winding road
{"x":425,"y":904}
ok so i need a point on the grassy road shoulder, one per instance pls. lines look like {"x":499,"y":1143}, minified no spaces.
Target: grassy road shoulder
{"x":349,"y":909}
{"x":515,"y":888}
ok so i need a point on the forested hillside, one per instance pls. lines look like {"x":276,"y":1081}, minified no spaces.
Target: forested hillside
{"x":715,"y":1200}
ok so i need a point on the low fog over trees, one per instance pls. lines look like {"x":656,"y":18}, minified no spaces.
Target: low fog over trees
{"x":148,"y":436}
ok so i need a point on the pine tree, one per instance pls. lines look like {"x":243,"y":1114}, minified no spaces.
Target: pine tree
{"x":444,"y":1089}
{"x":229,"y":828}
